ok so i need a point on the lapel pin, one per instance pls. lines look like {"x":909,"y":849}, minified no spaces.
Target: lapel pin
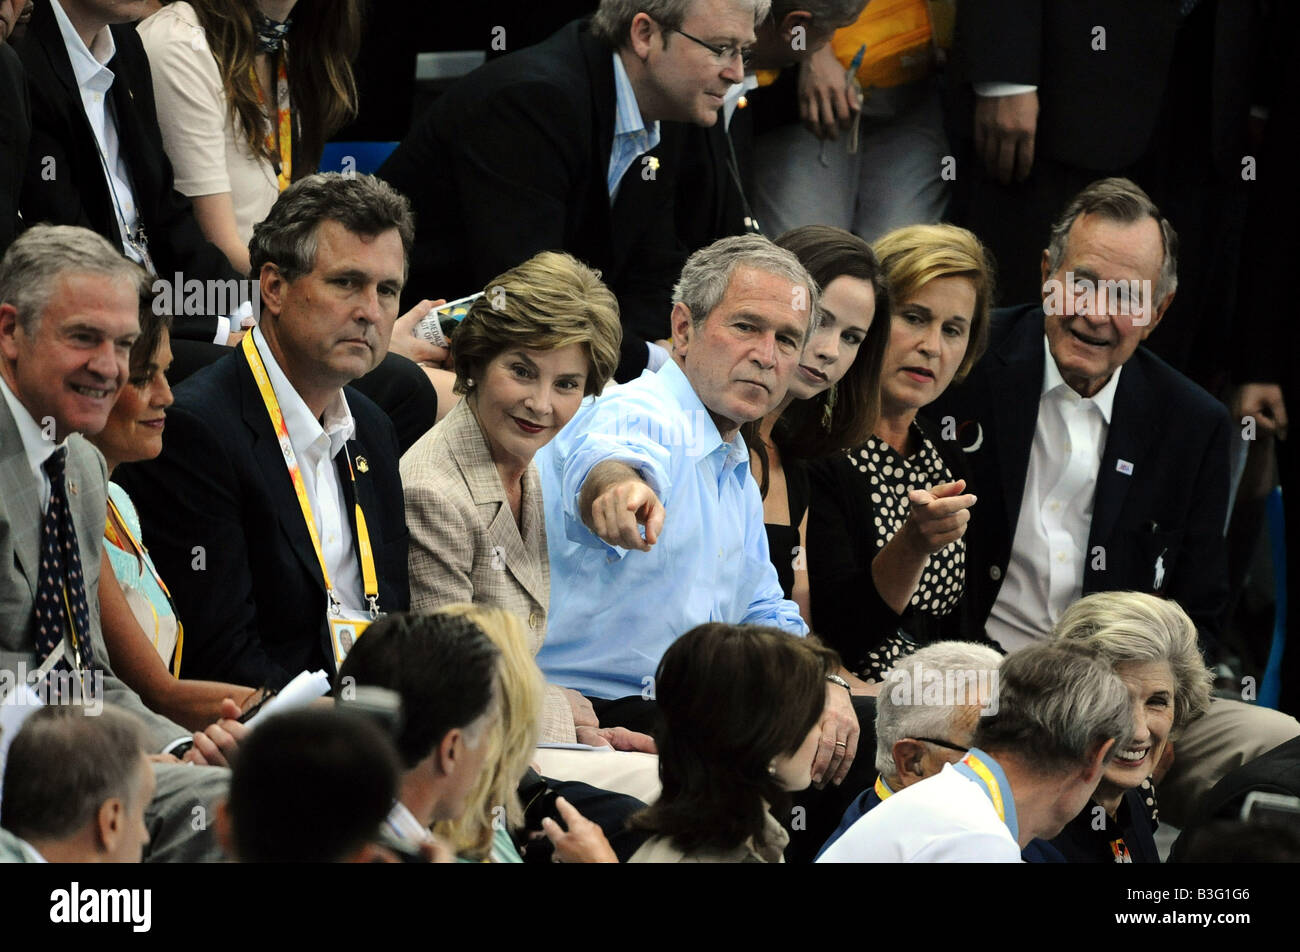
{"x":363,"y":464}
{"x":1124,"y":466}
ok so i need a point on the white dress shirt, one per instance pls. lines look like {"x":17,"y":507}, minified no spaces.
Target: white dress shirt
{"x":94,"y":80}
{"x":35,"y":445}
{"x":317,"y":443}
{"x":1050,"y":549}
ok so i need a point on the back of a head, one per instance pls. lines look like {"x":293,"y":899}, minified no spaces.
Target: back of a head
{"x":731,"y":698}
{"x":442,"y":666}
{"x":926,"y":691}
{"x":513,"y":734}
{"x":310,"y":786}
{"x":63,"y":765}
{"x":1056,"y":704}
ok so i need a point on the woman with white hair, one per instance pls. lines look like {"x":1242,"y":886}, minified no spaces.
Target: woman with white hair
{"x":1151,"y":644}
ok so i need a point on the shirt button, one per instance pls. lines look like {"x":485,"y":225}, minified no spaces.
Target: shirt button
{"x":1060,"y":556}
{"x":995,"y":572}
{"x":1054,"y":506}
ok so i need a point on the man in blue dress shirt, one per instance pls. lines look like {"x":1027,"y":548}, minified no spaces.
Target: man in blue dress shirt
{"x":653,"y":521}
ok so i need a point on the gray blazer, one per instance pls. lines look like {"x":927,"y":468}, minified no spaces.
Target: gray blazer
{"x":465,"y":545}
{"x":20,"y":547}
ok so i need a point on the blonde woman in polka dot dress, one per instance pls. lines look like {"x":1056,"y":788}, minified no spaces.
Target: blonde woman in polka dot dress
{"x":886,"y":554}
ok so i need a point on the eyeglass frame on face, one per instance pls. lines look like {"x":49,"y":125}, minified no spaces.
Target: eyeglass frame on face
{"x":724,"y":54}
{"x":943,"y":743}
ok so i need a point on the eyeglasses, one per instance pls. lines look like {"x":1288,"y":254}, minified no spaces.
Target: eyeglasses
{"x":945,"y":744}
{"x":723,"y":54}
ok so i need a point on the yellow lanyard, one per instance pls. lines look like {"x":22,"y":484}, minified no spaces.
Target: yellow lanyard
{"x":882,"y":790}
{"x":369,"y":577}
{"x":283,"y":118}
{"x":136,"y":548}
{"x":991,"y":782}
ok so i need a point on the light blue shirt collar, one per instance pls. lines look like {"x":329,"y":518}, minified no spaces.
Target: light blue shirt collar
{"x":1003,"y":792}
{"x":631,"y":137}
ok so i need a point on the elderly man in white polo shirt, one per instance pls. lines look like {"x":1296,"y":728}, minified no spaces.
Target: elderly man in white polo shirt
{"x":1060,"y":715}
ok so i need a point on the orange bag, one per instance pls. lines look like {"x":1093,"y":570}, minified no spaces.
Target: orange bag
{"x":900,"y":36}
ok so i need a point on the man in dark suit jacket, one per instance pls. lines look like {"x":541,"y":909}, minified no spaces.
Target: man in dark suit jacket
{"x":1159,"y":480}
{"x":15,"y":131}
{"x":516,"y":157}
{"x":226,"y":524}
{"x":1139,"y":502}
{"x":65,"y":182}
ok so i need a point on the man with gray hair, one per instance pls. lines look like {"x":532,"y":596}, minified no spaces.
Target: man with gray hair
{"x":557,"y":146}
{"x":926,"y":714}
{"x":1061,"y":714}
{"x":653,"y":522}
{"x":76,"y":786}
{"x":69,"y":312}
{"x":1098,"y":466}
{"x":275,"y":509}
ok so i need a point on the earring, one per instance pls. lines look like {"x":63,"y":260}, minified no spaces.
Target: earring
{"x":468,"y":383}
{"x":771,"y":769}
{"x":828,"y":407}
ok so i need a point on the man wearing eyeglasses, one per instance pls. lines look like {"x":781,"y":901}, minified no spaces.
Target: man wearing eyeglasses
{"x":556,"y":146}
{"x":926,"y":715}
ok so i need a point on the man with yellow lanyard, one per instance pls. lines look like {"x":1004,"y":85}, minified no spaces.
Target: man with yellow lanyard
{"x":280,"y":527}
{"x":1055,"y":718}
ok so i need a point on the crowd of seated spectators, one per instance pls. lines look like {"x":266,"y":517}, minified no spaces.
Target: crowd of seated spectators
{"x":903,"y":534}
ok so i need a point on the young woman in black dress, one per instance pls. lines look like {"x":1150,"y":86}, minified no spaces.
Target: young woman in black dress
{"x":835,"y":396}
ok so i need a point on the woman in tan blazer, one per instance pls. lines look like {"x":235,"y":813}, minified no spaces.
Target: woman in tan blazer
{"x":543,"y":336}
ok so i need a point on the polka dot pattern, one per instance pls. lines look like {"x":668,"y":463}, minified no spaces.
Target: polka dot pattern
{"x":887,"y":477}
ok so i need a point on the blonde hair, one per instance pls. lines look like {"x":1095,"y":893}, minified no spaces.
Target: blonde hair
{"x":510,"y":740}
{"x":915,"y":255}
{"x":1124,"y":627}
{"x":550,"y":301}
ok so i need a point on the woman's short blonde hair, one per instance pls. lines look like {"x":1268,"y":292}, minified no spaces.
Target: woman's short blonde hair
{"x":915,"y":255}
{"x":493,"y":799}
{"x":1124,"y":627}
{"x":550,"y":301}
